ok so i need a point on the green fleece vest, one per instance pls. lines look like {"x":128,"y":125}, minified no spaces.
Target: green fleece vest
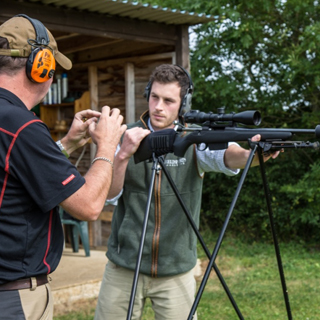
{"x":170,"y":245}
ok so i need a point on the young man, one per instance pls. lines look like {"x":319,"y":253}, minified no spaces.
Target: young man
{"x":170,"y":251}
{"x":35,"y":176}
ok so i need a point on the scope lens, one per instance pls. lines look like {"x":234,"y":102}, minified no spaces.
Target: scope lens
{"x":256,"y":118}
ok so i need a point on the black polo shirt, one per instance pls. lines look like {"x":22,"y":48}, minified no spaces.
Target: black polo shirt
{"x":34,"y":178}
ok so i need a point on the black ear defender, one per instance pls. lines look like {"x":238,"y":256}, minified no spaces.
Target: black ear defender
{"x":41,"y":63}
{"x":186,"y":100}
{"x":147,"y":91}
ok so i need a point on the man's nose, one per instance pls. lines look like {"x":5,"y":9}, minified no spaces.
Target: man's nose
{"x":159,"y":105}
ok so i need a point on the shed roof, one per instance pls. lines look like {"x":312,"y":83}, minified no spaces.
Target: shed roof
{"x":132,"y":10}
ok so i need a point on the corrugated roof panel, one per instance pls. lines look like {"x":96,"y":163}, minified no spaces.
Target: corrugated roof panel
{"x":133,"y":10}
{"x":91,"y":5}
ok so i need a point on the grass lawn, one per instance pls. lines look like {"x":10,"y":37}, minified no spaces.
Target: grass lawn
{"x":251,"y":273}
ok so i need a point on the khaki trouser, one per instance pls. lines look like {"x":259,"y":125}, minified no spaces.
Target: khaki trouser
{"x":171,"y":297}
{"x":27,"y":304}
{"x":37,"y":304}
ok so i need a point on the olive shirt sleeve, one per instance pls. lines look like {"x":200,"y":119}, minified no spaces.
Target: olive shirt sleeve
{"x":37,"y":162}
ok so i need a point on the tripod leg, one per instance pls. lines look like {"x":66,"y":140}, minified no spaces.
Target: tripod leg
{"x":143,"y":234}
{"x":205,"y":248}
{"x":274,"y":235}
{"x":219,"y":241}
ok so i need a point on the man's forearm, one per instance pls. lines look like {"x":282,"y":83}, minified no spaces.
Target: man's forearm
{"x":120,"y":167}
{"x":236,"y":157}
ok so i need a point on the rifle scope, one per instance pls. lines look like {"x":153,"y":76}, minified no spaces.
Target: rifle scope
{"x":250,"y":117}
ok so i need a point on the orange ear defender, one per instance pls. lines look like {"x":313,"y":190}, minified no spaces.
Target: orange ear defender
{"x":41,"y":63}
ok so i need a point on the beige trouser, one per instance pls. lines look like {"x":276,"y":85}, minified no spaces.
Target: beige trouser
{"x":171,"y":297}
{"x":37,"y":303}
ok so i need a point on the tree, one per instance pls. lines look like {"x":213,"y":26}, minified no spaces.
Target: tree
{"x":261,"y":55}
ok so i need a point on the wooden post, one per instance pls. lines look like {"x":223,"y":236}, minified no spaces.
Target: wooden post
{"x":95,"y":226}
{"x":93,"y":88}
{"x":130,"y":93}
{"x":182,"y":47}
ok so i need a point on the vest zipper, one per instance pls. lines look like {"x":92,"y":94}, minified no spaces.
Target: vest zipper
{"x":157,"y":219}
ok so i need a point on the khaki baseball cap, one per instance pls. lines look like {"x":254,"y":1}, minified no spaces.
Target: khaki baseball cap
{"x":18,"y":30}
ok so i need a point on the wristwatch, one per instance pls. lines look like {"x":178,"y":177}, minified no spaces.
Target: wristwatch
{"x":61,"y":147}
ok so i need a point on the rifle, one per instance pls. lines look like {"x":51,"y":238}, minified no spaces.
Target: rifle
{"x":216,"y":131}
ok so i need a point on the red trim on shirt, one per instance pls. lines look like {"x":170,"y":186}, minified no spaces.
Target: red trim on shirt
{"x":65,"y":182}
{"x":48,"y":242}
{"x":6,"y":167}
{"x":3,"y":188}
{"x":7,"y":132}
{"x":15,"y":136}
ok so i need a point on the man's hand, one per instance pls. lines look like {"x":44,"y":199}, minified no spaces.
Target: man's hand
{"x":78,"y":134}
{"x":106,"y":133}
{"x":236,"y":157}
{"x":255,"y":161}
{"x":131,"y":141}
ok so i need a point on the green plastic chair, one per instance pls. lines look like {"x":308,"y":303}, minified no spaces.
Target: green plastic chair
{"x":78,"y":228}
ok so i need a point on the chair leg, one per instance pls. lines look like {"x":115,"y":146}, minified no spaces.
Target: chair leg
{"x":84,"y":234}
{"x":75,"y":238}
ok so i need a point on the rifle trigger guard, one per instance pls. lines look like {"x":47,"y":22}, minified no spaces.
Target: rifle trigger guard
{"x":202,"y":146}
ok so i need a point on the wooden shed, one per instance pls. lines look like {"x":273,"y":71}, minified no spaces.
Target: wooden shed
{"x":114,"y":45}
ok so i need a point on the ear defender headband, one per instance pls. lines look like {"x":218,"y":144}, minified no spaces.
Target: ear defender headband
{"x":41,"y":63}
{"x":186,"y":100}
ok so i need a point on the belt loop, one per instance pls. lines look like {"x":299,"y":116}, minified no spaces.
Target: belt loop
{"x":33,"y":283}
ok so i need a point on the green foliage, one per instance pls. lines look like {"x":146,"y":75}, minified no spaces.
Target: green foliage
{"x":294,"y":197}
{"x":261,"y":55}
{"x":304,"y":197}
